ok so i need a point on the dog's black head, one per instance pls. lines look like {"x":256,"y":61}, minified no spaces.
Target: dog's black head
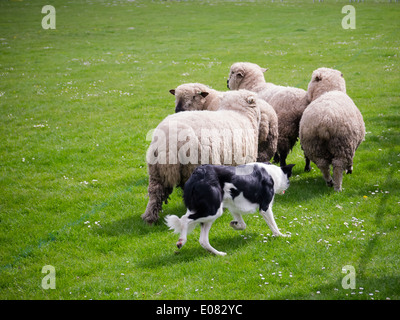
{"x":288,"y":170}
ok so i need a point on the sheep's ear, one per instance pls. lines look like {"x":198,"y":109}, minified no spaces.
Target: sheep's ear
{"x":203,"y":94}
{"x":172,"y":91}
{"x":264,"y":69}
{"x":240,"y":73}
{"x":318,"y":78}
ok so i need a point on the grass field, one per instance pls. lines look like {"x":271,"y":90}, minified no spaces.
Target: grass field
{"x":77,"y":102}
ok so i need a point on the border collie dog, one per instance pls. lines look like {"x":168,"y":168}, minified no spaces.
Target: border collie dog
{"x":242,"y":189}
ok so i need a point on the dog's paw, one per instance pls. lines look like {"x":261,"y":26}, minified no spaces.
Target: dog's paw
{"x":180,"y":243}
{"x":278,"y":234}
{"x":220,"y":253}
{"x":235,"y":225}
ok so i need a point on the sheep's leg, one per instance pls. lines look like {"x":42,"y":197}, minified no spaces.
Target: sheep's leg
{"x":326,"y":172}
{"x":349,"y":167}
{"x":307,"y":168}
{"x":262,"y":155}
{"x":238,"y":223}
{"x":157,"y":194}
{"x":204,"y":242}
{"x":276,"y":157}
{"x":283,"y":156}
{"x":337,"y":176}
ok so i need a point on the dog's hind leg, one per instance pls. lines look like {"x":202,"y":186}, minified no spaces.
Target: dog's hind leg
{"x":205,"y":229}
{"x":238,"y":223}
{"x":184,"y":231}
{"x":269,"y":219}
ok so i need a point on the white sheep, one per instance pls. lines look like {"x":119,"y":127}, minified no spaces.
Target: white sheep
{"x":288,"y":102}
{"x":185,"y":140}
{"x":332,"y":127}
{"x":197,"y":96}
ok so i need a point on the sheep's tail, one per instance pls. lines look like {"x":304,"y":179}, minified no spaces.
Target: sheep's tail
{"x":174,"y":223}
{"x":323,"y":130}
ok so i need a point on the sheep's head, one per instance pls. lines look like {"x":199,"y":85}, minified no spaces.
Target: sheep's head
{"x":242,"y":101}
{"x":190,"y":97}
{"x":324,"y":80}
{"x":243,"y":75}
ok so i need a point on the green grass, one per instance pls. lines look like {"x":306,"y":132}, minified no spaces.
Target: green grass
{"x":77,"y":102}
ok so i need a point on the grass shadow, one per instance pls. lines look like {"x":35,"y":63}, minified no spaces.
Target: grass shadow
{"x":316,"y":188}
{"x":379,"y":216}
{"x":193,"y":251}
{"x":133,"y":225}
{"x":379,"y":288}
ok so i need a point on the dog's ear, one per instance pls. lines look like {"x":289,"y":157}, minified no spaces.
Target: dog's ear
{"x":172,"y":91}
{"x":288,"y":169}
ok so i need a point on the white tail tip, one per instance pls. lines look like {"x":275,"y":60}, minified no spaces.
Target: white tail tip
{"x":174,"y":223}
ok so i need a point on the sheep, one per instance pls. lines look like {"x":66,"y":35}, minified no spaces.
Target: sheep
{"x":185,"y":140}
{"x":332,"y":127}
{"x":197,"y":96}
{"x":288,"y":102}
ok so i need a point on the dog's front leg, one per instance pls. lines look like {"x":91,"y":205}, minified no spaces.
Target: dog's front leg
{"x":269,"y":219}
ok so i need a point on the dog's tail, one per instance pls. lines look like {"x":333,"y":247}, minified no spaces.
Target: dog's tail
{"x":174,"y":223}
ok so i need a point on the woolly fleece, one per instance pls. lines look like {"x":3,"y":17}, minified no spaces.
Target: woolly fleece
{"x":288,"y":102}
{"x":332,"y":127}
{"x":197,"y":96}
{"x":236,"y":123}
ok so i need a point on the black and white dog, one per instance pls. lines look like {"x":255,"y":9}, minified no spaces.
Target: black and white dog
{"x":242,"y":189}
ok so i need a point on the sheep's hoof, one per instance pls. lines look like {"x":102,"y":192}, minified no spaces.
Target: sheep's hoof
{"x":329,"y":183}
{"x":350,"y":170}
{"x":307,"y":168}
{"x":149,"y":219}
